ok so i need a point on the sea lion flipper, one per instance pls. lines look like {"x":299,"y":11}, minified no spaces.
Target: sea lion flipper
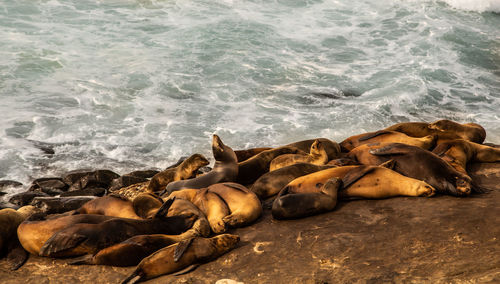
{"x":182,"y":246}
{"x":162,"y":212}
{"x":17,"y":256}
{"x":61,"y":241}
{"x":389,"y":164}
{"x":373,"y":134}
{"x":186,"y":270}
{"x":84,"y":259}
{"x":355,"y":174}
{"x":133,"y":278}
{"x":391,"y":149}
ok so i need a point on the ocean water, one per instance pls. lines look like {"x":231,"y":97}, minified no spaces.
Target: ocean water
{"x":135,"y":84}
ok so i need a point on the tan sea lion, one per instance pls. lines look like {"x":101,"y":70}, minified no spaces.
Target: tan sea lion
{"x":184,"y":254}
{"x":459,"y":152}
{"x":110,"y":205}
{"x":468,"y":131}
{"x":271,"y":183}
{"x":425,"y":142}
{"x":243,"y":204}
{"x":417,"y":163}
{"x":185,"y":170}
{"x":146,"y":205}
{"x":244,"y":155}
{"x":332,"y":148}
{"x":80,"y":239}
{"x":317,"y":156}
{"x":211,"y":204}
{"x":317,"y":192}
{"x":225,"y":169}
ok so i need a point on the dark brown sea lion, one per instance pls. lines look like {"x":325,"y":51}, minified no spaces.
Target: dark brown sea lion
{"x":250,"y":170}
{"x":317,"y":156}
{"x":211,"y":204}
{"x":110,"y":205}
{"x":182,"y":255}
{"x":271,"y":183}
{"x":187,"y":169}
{"x":82,"y":239}
{"x":417,"y":163}
{"x":225,"y":169}
{"x":332,"y":148}
{"x":243,"y":155}
{"x":317,"y":192}
{"x":243,"y":204}
{"x":460,"y":152}
{"x":352,"y":142}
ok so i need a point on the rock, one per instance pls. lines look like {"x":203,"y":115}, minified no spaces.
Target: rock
{"x":93,"y":191}
{"x":72,"y":177}
{"x":4,"y":204}
{"x":53,"y":205}
{"x":9,"y":183}
{"x":98,"y":178}
{"x":50,"y":185}
{"x":124,"y":181}
{"x":143,"y":174}
{"x":25,"y":198}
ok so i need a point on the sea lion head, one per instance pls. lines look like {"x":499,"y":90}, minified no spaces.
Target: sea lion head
{"x":317,"y":148}
{"x":425,"y":189}
{"x":463,"y":185}
{"x":222,"y":152}
{"x":226,"y":242}
{"x":197,"y":160}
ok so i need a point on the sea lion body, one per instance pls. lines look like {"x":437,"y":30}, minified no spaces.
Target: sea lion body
{"x":225,"y":169}
{"x":110,"y":205}
{"x":82,"y":239}
{"x":271,"y":183}
{"x":185,"y":170}
{"x":332,"y":148}
{"x":244,"y":155}
{"x":416,"y":163}
{"x":179,"y":256}
{"x":243,"y":204}
{"x":459,"y":152}
{"x":468,"y":131}
{"x":317,"y":156}
{"x":425,"y":142}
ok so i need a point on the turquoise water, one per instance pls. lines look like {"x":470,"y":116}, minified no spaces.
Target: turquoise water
{"x":132,"y":84}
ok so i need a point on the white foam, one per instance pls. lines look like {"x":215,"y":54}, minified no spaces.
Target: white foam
{"x":475,"y":5}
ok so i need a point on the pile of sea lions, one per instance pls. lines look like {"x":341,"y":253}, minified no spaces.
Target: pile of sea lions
{"x":178,"y":218}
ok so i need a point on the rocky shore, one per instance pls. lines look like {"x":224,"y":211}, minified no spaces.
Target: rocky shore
{"x":442,"y":239}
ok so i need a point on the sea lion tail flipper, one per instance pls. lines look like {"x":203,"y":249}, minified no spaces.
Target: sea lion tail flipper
{"x":133,"y":278}
{"x":17,"y":256}
{"x":373,"y":134}
{"x":441,"y":149}
{"x":355,"y":174}
{"x":186,"y":270}
{"x":391,"y":149}
{"x":181,"y":247}
{"x":84,"y":259}
{"x":389,"y":164}
{"x":61,"y":241}
{"x":162,"y":212}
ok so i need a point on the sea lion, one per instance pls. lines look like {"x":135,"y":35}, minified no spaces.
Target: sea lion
{"x":425,"y":142}
{"x":250,"y":170}
{"x":271,"y":183}
{"x":317,"y":156}
{"x":187,"y":169}
{"x":332,"y":148}
{"x":133,"y":250}
{"x":417,"y":163}
{"x":225,"y":169}
{"x":82,"y":239}
{"x":243,"y":204}
{"x":244,"y":155}
{"x":210,"y":203}
{"x":184,"y":254}
{"x":468,"y":131}
{"x":317,"y":192}
{"x":459,"y":152}
{"x":147,"y":204}
{"x":10,"y":220}
{"x":110,"y":205}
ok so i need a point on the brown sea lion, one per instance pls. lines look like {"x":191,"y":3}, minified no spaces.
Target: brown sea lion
{"x":82,"y":239}
{"x":417,"y":163}
{"x":352,"y":142}
{"x":332,"y":148}
{"x":182,"y":255}
{"x":185,"y":170}
{"x":271,"y":183}
{"x":250,"y":170}
{"x":211,"y":204}
{"x":468,"y":131}
{"x":10,"y":220}
{"x":460,"y":152}
{"x":146,"y":205}
{"x":243,"y":155}
{"x":225,"y":169}
{"x":110,"y":205}
{"x":317,"y":192}
{"x":243,"y":204}
{"x":33,"y":233}
{"x":317,"y":156}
